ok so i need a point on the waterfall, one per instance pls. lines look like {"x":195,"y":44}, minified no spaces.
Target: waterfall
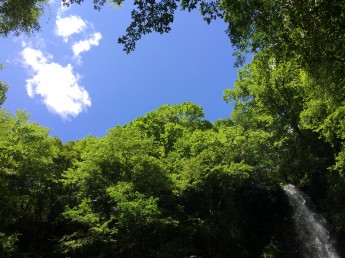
{"x":310,"y":227}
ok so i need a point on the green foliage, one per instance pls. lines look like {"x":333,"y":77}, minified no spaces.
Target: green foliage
{"x":169,"y":184}
{"x":3,"y":90}
{"x":28,"y":183}
{"x":270,"y":93}
{"x":311,"y":29}
{"x":130,"y":199}
{"x":117,"y":185}
{"x":8,"y":244}
{"x":19,"y":16}
{"x":155,"y":16}
{"x":97,"y":4}
{"x":168,"y":123}
{"x":276,"y":97}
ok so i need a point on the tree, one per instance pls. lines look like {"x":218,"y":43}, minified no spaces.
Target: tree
{"x":311,"y":30}
{"x":119,"y":192}
{"x":293,"y":128}
{"x":273,"y":96}
{"x":224,"y":176}
{"x":155,"y":16}
{"x":311,"y":35}
{"x":19,"y":16}
{"x":170,"y":122}
{"x":27,"y":185}
{"x":3,"y":90}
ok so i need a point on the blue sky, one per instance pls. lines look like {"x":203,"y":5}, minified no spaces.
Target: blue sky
{"x":74,"y":78}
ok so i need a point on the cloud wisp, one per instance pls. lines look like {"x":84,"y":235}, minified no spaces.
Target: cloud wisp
{"x":85,"y":45}
{"x":57,"y":85}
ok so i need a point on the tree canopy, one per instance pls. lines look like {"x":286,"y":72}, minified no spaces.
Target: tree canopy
{"x":168,"y":184}
{"x":20,"y":16}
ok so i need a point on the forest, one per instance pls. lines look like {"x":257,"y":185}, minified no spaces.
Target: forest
{"x":172,"y":184}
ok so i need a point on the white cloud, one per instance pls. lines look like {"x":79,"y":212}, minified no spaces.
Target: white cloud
{"x":67,"y":26}
{"x":85,"y":45}
{"x":57,"y":85}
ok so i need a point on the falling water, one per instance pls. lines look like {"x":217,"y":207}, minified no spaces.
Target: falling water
{"x":310,"y":227}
